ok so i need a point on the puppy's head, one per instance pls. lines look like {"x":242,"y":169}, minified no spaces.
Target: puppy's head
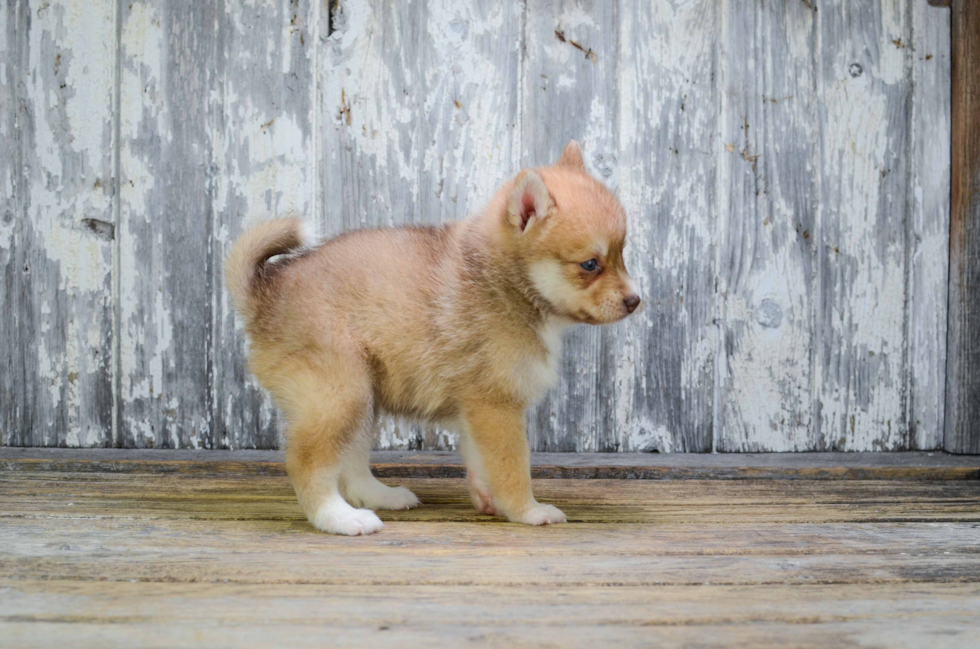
{"x":569,"y":232}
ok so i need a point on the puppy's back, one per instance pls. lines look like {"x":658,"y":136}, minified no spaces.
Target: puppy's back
{"x":365,"y":281}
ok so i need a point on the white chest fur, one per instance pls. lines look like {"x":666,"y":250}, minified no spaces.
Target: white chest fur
{"x":533,"y":372}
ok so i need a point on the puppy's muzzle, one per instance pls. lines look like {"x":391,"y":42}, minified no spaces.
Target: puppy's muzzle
{"x":631,"y":302}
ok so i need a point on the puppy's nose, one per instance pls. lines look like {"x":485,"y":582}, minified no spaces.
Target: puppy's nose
{"x":631,"y":303}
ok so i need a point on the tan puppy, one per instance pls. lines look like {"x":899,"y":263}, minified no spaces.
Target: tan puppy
{"x":459,"y":325}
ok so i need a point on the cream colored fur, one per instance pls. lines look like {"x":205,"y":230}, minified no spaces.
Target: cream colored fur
{"x":459,"y":325}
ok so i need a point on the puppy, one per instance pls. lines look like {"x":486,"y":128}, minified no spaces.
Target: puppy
{"x":459,"y":325}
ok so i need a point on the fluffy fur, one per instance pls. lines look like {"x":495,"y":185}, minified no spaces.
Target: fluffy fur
{"x":458,"y":325}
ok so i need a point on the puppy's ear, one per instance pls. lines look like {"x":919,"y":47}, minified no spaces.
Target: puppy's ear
{"x":529,"y":201}
{"x":572,"y":157}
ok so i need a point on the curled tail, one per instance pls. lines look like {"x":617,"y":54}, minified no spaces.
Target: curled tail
{"x":252,"y":250}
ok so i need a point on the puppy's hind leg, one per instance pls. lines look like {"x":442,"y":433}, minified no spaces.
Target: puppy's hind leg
{"x":327,"y":407}
{"x":358,"y":484}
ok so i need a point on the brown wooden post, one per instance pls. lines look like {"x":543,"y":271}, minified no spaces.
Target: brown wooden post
{"x":962,"y":433}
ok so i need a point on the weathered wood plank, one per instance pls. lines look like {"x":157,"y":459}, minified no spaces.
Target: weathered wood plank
{"x":768,"y":196}
{"x":928,"y":237}
{"x":962,"y":430}
{"x":153,"y":528}
{"x":407,"y":559}
{"x":159,"y":614}
{"x":469,"y":104}
{"x":168,"y":54}
{"x":261,"y":498}
{"x":955,"y":629}
{"x":569,"y":72}
{"x":15,"y":409}
{"x":532,"y":570}
{"x":369,"y":77}
{"x":863,"y":79}
{"x":664,"y":358}
{"x":123,"y":559}
{"x":265,"y":166}
{"x":57,"y":65}
{"x":192,"y":494}
{"x":176,"y":537}
{"x":665,"y":606}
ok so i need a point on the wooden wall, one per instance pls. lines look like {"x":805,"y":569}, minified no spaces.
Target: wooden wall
{"x":785,"y":166}
{"x":963,"y":379}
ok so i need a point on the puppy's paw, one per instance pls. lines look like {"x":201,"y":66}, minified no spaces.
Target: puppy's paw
{"x":395,"y":498}
{"x":341,"y":518}
{"x":542,"y":515}
{"x":373,"y":494}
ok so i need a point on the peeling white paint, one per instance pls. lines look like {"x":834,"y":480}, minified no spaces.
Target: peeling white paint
{"x":389,"y":121}
{"x":929,"y":252}
{"x":356,"y":78}
{"x":62,"y":117}
{"x":647,"y":437}
{"x":265,"y":166}
{"x":764,"y":157}
{"x":861,"y":389}
{"x":141,"y":52}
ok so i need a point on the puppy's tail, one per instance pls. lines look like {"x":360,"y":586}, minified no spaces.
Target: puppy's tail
{"x":248,"y":256}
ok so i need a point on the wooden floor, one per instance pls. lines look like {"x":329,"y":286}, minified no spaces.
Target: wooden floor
{"x":103,"y":553}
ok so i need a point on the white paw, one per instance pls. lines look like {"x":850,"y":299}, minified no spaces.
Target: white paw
{"x":337,"y":517}
{"x":396,"y":498}
{"x":376,"y":495}
{"x":542,"y":515}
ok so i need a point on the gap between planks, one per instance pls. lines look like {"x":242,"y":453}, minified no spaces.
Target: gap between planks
{"x":620,"y":466}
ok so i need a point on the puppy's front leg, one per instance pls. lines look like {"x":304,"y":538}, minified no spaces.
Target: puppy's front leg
{"x":497,"y":431}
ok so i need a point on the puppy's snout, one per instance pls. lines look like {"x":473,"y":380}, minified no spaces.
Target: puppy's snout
{"x":631,"y":302}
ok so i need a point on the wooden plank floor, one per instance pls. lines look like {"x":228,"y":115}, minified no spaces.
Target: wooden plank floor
{"x":221,"y":555}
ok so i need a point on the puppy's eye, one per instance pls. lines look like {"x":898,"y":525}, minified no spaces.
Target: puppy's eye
{"x":589,"y":265}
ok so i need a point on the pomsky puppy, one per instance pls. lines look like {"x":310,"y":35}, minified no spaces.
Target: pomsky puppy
{"x":458,"y":325}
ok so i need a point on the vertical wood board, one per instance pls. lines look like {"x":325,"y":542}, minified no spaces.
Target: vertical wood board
{"x":928,"y":226}
{"x":962,"y":424}
{"x":665,"y":360}
{"x":56,"y":223}
{"x":569,"y":91}
{"x":860,"y":371}
{"x":264,"y":167}
{"x":168,"y":55}
{"x":767,"y":196}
